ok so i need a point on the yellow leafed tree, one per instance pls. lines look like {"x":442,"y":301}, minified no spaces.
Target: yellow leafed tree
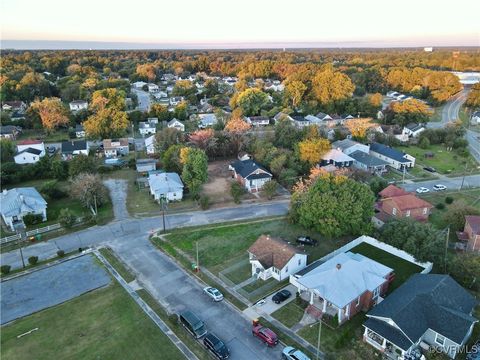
{"x":52,"y":113}
{"x":312,"y":150}
{"x":184,"y":155}
{"x":358,"y":127}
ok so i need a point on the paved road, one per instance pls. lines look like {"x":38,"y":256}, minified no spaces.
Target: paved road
{"x":143,"y":100}
{"x":451,"y":183}
{"x":473,"y":139}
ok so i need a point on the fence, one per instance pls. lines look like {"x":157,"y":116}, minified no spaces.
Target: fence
{"x":33,"y":232}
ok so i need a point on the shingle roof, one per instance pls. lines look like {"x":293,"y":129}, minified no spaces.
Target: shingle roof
{"x":389,"y":152}
{"x":31,"y":151}
{"x":344,"y":144}
{"x":337,"y":156}
{"x":164,"y":182}
{"x":429,"y":301}
{"x":270,"y":251}
{"x":20,"y":200}
{"x":389,"y":332}
{"x":367,"y":159}
{"x":391,"y":191}
{"x":248,"y":169}
{"x":474,"y":222}
{"x":69,"y":147}
{"x":408,"y":202}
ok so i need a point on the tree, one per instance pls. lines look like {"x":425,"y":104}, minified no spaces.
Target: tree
{"x":294,"y":92}
{"x":66,"y":218}
{"x":237,"y":125}
{"x":171,"y":159}
{"x":358,"y":127}
{"x":82,"y":164}
{"x":106,"y":123}
{"x":411,"y":110}
{"x":376,"y":99}
{"x":7,"y":150}
{"x":110,"y":98}
{"x":312,"y":150}
{"x":52,"y":113}
{"x":286,"y":134}
{"x":160,"y":111}
{"x":330,"y":86}
{"x":251,"y":101}
{"x":473,"y":99}
{"x":455,"y":215}
{"x":181,"y":111}
{"x":184,"y":88}
{"x":465,"y":268}
{"x":89,"y":189}
{"x":194,"y":172}
{"x":333,"y":205}
{"x":270,"y":189}
{"x":203,"y":139}
{"x":236,"y":190}
{"x":147,"y":71}
{"x":168,"y":137}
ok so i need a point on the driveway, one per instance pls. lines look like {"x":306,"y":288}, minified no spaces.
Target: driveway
{"x":269,"y":307}
{"x":143,"y":100}
{"x":118,"y":194}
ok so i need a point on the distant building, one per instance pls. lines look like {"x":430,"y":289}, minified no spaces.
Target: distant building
{"x":146,"y":128}
{"x":9,"y":132}
{"x":14,"y":106}
{"x":258,"y":120}
{"x":428,"y":49}
{"x":146,"y":165}
{"x":79,"y":131}
{"x":18,"y":202}
{"x":150,"y":145}
{"x":115,"y":148}
{"x":72,"y":148}
{"x":475,"y":118}
{"x":176,"y":124}
{"x":78,"y":105}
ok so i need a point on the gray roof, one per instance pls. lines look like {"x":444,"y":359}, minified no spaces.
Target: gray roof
{"x":21,"y":200}
{"x":414,"y":127}
{"x":367,"y":159}
{"x":164,"y":182}
{"x":389,"y":152}
{"x":68,"y":147}
{"x":31,"y":151}
{"x":9,"y":129}
{"x":344,"y":144}
{"x":429,"y":301}
{"x":247,"y":168}
{"x":79,"y":128}
{"x":392,"y":334}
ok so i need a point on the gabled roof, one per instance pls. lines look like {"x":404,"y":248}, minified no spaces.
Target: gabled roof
{"x":21,"y":200}
{"x":367,"y":159}
{"x":391,"y":191}
{"x":282,"y":115}
{"x":115,"y":143}
{"x":299,"y":118}
{"x":162,"y":182}
{"x":474,"y":222}
{"x":150,"y":140}
{"x":249,"y":168}
{"x":69,"y":147}
{"x":429,"y":301}
{"x":174,"y":121}
{"x":323,"y":116}
{"x":343,"y":278}
{"x":29,"y":150}
{"x":9,"y":129}
{"x":344,"y":144}
{"x":337,"y":156}
{"x":30,"y":142}
{"x":270,"y":251}
{"x":414,"y":127}
{"x":389,"y":152}
{"x":408,"y":202}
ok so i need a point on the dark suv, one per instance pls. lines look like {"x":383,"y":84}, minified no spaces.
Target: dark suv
{"x":280,"y":296}
{"x":216,"y":346}
{"x":306,"y":240}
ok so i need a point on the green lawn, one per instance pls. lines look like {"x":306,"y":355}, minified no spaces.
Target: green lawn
{"x":437,"y":114}
{"x":290,"y":314}
{"x":56,"y":136}
{"x":103,"y":324}
{"x":403,"y":269}
{"x":445,"y":162}
{"x":240,"y":274}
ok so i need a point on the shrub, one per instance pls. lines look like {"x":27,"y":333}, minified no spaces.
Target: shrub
{"x":5,"y":269}
{"x":60,"y":253}
{"x":270,"y":189}
{"x":66,"y":218}
{"x":102,"y":169}
{"x":52,"y":191}
{"x":204,"y":202}
{"x":424,"y":143}
{"x":236,"y":190}
{"x":31,"y":219}
{"x":173,"y":318}
{"x":32,"y":260}
{"x":448,"y":200}
{"x":440,"y":206}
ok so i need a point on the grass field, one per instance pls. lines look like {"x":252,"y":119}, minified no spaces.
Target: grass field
{"x":103,"y":324}
{"x":290,"y":314}
{"x":403,"y":269}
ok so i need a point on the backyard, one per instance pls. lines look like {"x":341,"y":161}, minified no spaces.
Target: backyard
{"x":105,"y":323}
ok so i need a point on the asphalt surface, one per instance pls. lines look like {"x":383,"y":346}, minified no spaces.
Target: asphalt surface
{"x":44,"y":288}
{"x":143,"y":100}
{"x":471,"y":181}
{"x":118,"y":194}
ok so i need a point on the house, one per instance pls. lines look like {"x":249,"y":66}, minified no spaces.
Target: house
{"x":152,"y":120}
{"x":206,"y":108}
{"x":336,"y":158}
{"x":396,"y":202}
{"x":396,"y":159}
{"x":14,"y":106}
{"x":176,"y":124}
{"x":18,"y":202}
{"x":146,"y":165}
{"x":139,"y":84}
{"x":343,"y":285}
{"x":115,"y":148}
{"x":273,"y":257}
{"x":28,"y":156}
{"x":150,"y":145}
{"x":366,"y":162}
{"x":348,"y":146}
{"x":393,"y":94}
{"x":471,"y":233}
{"x":242,"y":155}
{"x":251,"y":175}
{"x":258,"y":120}
{"x":71,"y":148}
{"x":413,"y":130}
{"x":9,"y":132}
{"x":175,"y":100}
{"x":323,"y":117}
{"x":167,"y":186}
{"x":207,"y":120}
{"x":282,"y":116}
{"x":78,"y":105}
{"x":427,"y":311}
{"x":146,"y":128}
{"x":79,"y":131}
{"x":152,"y":87}
{"x":31,"y":144}
{"x":313,"y":120}
{"x":299,"y":121}
{"x":160,"y":95}
{"x":475,"y":118}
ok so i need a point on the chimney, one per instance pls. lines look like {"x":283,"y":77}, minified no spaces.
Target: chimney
{"x":339,"y":266}
{"x":4,"y":192}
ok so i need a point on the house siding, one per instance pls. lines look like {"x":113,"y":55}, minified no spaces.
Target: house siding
{"x":388,"y":206}
{"x":450,"y":348}
{"x":473,"y":239}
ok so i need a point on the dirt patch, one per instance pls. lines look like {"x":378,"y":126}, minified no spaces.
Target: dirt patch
{"x":219,"y":177}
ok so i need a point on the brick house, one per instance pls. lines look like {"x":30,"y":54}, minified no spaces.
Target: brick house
{"x":471,"y":233}
{"x":249,"y":174}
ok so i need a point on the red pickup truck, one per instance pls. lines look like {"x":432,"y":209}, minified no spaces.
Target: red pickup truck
{"x":265,"y":334}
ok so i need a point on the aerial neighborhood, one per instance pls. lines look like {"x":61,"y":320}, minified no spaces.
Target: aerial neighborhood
{"x":240,"y":204}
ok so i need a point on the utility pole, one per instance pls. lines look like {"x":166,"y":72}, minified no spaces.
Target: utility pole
{"x":20,"y":230}
{"x":446,"y":247}
{"x":464,"y":174}
{"x":319,"y":335}
{"x":163,"y":211}
{"x":198,"y":265}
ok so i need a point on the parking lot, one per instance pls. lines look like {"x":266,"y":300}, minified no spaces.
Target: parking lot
{"x":51,"y":286}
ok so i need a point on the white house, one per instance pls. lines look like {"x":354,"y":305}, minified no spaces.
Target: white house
{"x":150,"y":145}
{"x":77,"y":105}
{"x":396,"y":159}
{"x":168,"y":186}
{"x":18,"y":202}
{"x":413,"y":130}
{"x":174,"y":101}
{"x":176,"y":124}
{"x":153,"y":87}
{"x":273,"y":257}
{"x":79,"y":131}
{"x":251,"y":175}
{"x":160,"y":95}
{"x":475,"y":119}
{"x":146,"y":128}
{"x":72,"y":148}
{"x":207,"y":120}
{"x":32,"y":144}
{"x":28,"y":156}
{"x":115,"y":148}
{"x":16,"y":106}
{"x":258,"y":120}
{"x":348,"y":146}
{"x":139,"y":84}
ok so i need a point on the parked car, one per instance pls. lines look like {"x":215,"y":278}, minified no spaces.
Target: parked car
{"x":422,"y":190}
{"x":439,"y":187}
{"x":429,"y":168}
{"x":193,"y":324}
{"x":216,"y":346}
{"x":281,"y":296}
{"x":290,"y":353}
{"x":265,"y":334}
{"x":213,"y":293}
{"x":306,"y":240}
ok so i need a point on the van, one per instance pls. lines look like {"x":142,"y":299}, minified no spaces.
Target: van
{"x":193,"y":324}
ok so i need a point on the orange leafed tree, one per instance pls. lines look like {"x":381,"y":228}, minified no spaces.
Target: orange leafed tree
{"x":358,"y":127}
{"x":147,"y":70}
{"x":202,"y":138}
{"x":312,"y":150}
{"x":52,"y":113}
{"x":410,"y":106}
{"x":237,"y":125}
{"x":184,"y":154}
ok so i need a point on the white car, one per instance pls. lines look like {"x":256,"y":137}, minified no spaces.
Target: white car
{"x":422,"y":190}
{"x":439,"y":187}
{"x":213,"y":293}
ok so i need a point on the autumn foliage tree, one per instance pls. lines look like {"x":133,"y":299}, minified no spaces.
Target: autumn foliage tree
{"x":203,"y":139}
{"x":89,"y":189}
{"x":52,"y":113}
{"x":312,"y":150}
{"x":147,"y":71}
{"x":251,"y":101}
{"x":294,"y":92}
{"x":358,"y":127}
{"x":473,"y":99}
{"x":376,"y":99}
{"x":236,"y":128}
{"x":330,"y":86}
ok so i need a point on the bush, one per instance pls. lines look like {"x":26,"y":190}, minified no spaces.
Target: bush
{"x":32,"y":260}
{"x":204,"y":202}
{"x":448,"y":200}
{"x":31,"y":219}
{"x":102,"y":169}
{"x":51,"y":190}
{"x":236,"y":190}
{"x":440,"y":206}
{"x":66,"y":218}
{"x":5,"y":269}
{"x":60,"y":253}
{"x":424,"y":143}
{"x":270,"y":189}
{"x":173,"y":318}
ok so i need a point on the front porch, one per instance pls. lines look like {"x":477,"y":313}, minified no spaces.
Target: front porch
{"x":389,"y":350}
{"x":320,"y":307}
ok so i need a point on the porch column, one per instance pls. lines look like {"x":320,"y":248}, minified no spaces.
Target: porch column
{"x":311,"y":297}
{"x":324,"y":305}
{"x":347,"y":313}
{"x":339,"y":316}
{"x":384,"y":343}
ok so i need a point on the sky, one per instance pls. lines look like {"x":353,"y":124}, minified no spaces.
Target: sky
{"x":239,"y":23}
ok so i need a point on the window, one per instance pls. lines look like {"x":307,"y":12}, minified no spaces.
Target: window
{"x":407,"y":214}
{"x":425,"y":211}
{"x":286,"y":269}
{"x":376,"y":292}
{"x":439,"y":339}
{"x":394,"y":211}
{"x":299,"y":261}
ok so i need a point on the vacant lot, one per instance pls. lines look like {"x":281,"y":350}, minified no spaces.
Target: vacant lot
{"x":104,"y":324}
